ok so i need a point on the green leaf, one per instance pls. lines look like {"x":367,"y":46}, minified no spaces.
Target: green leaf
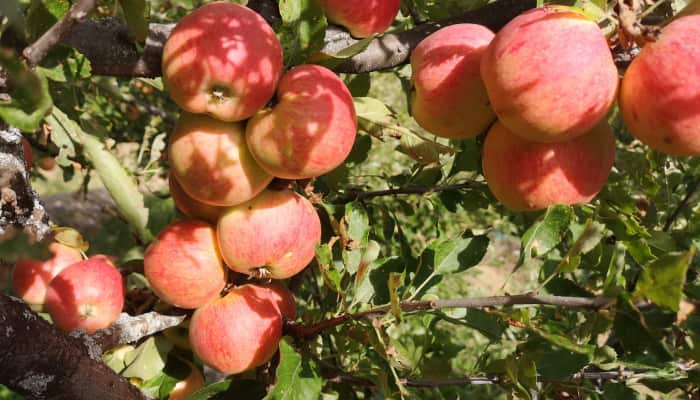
{"x":662,"y":281}
{"x":449,"y":256}
{"x":395,"y":280}
{"x":358,"y":227}
{"x":136,"y":14}
{"x":148,"y":359}
{"x":29,"y":99}
{"x":42,"y":14}
{"x":333,"y":60}
{"x":302,"y":30}
{"x":297,"y":378}
{"x":545,"y":235}
{"x":560,"y":363}
{"x":64,"y":133}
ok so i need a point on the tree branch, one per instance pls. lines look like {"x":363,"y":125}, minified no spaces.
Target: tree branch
{"x":128,"y":329}
{"x":37,"y":51}
{"x":352,"y":195}
{"x":302,"y":332}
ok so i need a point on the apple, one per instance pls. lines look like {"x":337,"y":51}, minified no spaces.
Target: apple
{"x":449,"y":98}
{"x":88,"y":294}
{"x":211,"y":162}
{"x":191,"y":207}
{"x":222,"y":59}
{"x":31,"y":277}
{"x":193,"y":382}
{"x":273,"y":235}
{"x":281,"y":297}
{"x":550,"y":75}
{"x":527,"y":176}
{"x":183,"y":265}
{"x":362,"y":18}
{"x":660,"y":96}
{"x":237,"y":332}
{"x":311,"y":129}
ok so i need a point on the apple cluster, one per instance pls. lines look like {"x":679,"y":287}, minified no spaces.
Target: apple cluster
{"x":223,"y":66}
{"x":542,"y":87}
{"x":76,"y":292}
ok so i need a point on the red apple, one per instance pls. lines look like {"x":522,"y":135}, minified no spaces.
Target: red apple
{"x":210,"y":160}
{"x":238,"y":332}
{"x":88,"y":294}
{"x":189,"y":385}
{"x":449,"y":97}
{"x":311,"y":129}
{"x":527,"y":176}
{"x":183,"y":265}
{"x":31,"y":277}
{"x":272,"y":236}
{"x":362,"y":17}
{"x":660,"y":96}
{"x":191,"y":207}
{"x":222,"y":59}
{"x":550,"y":75}
{"x":281,"y":297}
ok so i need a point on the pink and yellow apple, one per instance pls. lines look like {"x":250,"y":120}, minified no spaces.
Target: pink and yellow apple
{"x":183,"y":264}
{"x":211,"y":162}
{"x":527,"y":176}
{"x":191,"y":207}
{"x":88,"y":294}
{"x":362,"y":18}
{"x":311,"y":129}
{"x":449,"y":97}
{"x":31,"y":277}
{"x":660,"y":96}
{"x":550,"y":75}
{"x":273,"y":235}
{"x":193,"y":382}
{"x":281,"y":297}
{"x":222,"y":59}
{"x":237,"y":332}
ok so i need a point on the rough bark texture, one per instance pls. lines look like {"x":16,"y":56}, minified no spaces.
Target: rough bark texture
{"x":39,"y":361}
{"x":20,"y":209}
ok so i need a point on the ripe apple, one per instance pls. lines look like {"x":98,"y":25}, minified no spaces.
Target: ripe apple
{"x":660,"y":96}
{"x":550,"y":75}
{"x":449,"y":97}
{"x":273,"y":235}
{"x":222,"y":59}
{"x":191,"y":207}
{"x":189,"y":385}
{"x":88,"y":294}
{"x":362,"y":17}
{"x":183,"y":264}
{"x":237,"y":332}
{"x":31,"y":277}
{"x":528,"y":176}
{"x":210,"y":160}
{"x":310,"y":131}
{"x":281,"y":297}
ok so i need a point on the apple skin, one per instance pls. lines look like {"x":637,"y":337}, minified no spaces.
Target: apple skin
{"x":529,"y":176}
{"x":281,"y":297}
{"x":183,"y":264}
{"x":362,"y":18}
{"x":222,"y":59}
{"x":449,"y":98}
{"x":310,"y":131}
{"x":660,"y":96}
{"x":237,"y":332}
{"x":189,"y":385}
{"x":537,"y":80}
{"x":31,"y":278}
{"x":211,"y":162}
{"x":88,"y":294}
{"x":191,"y":207}
{"x":272,"y":236}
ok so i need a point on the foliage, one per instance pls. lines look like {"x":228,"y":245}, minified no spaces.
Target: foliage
{"x":439,"y":234}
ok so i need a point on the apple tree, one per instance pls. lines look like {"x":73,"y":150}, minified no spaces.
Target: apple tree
{"x":328,"y":199}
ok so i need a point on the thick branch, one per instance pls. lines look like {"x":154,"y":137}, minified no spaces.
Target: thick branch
{"x":305,"y":332}
{"x":108,"y":46}
{"x":37,"y":51}
{"x":128,"y":329}
{"x":353,"y":195}
{"x":39,"y":361}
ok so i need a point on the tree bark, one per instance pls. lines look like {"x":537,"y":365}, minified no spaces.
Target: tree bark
{"x":39,"y":361}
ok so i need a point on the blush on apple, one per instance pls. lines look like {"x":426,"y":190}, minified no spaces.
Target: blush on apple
{"x":191,"y":207}
{"x":222,"y":59}
{"x":88,"y":294}
{"x":362,"y":18}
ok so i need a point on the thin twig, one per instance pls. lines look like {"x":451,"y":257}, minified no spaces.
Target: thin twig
{"x":692,"y":188}
{"x":302,"y":332}
{"x":352,"y":195}
{"x":39,"y":49}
